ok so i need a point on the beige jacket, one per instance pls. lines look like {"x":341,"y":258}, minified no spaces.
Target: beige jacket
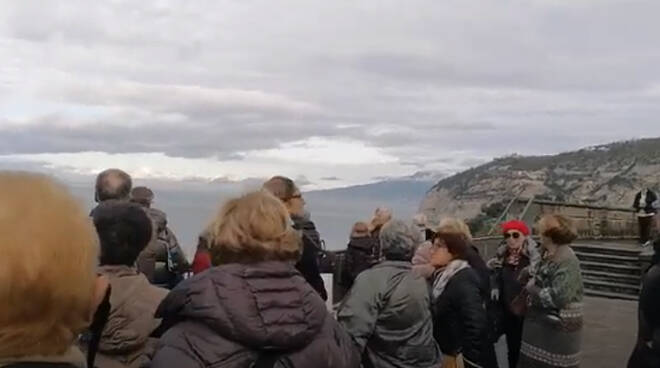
{"x":125,"y":341}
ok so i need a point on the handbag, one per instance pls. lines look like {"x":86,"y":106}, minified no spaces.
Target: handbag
{"x":519,"y":304}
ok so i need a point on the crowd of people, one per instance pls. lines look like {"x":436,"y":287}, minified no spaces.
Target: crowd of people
{"x":109,"y":290}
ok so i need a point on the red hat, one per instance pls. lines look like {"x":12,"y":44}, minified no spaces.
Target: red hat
{"x":515,"y":225}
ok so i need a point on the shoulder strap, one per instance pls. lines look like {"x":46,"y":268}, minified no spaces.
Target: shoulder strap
{"x":96,"y":328}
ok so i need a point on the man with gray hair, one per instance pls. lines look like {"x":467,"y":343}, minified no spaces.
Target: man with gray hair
{"x":112,"y":184}
{"x":387,"y":312}
{"x":115,"y":185}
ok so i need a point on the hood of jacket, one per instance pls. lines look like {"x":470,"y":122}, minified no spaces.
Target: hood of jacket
{"x":266,"y":305}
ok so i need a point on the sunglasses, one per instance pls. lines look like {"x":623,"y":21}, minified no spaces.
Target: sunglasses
{"x":514,"y":235}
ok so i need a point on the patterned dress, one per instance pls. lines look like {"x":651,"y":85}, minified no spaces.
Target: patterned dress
{"x":552,"y":333}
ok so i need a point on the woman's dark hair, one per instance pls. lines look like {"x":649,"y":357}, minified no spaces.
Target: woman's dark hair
{"x":124,"y":230}
{"x":429,"y":234}
{"x":456,"y":243}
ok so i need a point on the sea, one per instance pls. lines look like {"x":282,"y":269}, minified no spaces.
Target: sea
{"x":333,"y":212}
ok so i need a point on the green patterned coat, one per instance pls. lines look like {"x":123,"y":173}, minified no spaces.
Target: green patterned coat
{"x":552,"y":334}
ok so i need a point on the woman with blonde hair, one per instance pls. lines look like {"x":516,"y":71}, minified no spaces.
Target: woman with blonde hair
{"x":48,"y":285}
{"x":552,"y":331}
{"x":252,"y":306}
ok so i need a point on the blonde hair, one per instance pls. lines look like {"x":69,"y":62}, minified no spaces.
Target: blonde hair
{"x":360,"y":229}
{"x":454,"y":225}
{"x":253,"y":228}
{"x":381,"y":216}
{"x":47,"y":266}
{"x":559,"y":228}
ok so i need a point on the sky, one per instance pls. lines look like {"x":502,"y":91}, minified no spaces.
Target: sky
{"x":333,"y":93}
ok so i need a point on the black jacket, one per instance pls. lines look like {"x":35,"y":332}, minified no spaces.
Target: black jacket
{"x":481,"y":269}
{"x":359,"y":257}
{"x":646,"y":356}
{"x":460,"y":321}
{"x":647,"y":206}
{"x":309,"y":262}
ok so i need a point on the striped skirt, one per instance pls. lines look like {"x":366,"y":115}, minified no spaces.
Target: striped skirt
{"x":552,"y":340}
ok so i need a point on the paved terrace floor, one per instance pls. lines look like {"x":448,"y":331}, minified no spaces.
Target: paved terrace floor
{"x":609,"y":334}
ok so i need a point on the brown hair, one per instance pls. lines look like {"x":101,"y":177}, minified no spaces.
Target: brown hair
{"x":253,"y":228}
{"x":559,"y":228}
{"x":456,"y":243}
{"x":281,"y":187}
{"x":360,"y":229}
{"x":454,"y":225}
{"x":47,"y":267}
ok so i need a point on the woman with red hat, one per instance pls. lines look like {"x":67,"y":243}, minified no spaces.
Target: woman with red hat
{"x":514,"y":263}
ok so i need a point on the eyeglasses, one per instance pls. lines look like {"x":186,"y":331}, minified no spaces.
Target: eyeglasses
{"x":299,"y":196}
{"x":515,"y":235}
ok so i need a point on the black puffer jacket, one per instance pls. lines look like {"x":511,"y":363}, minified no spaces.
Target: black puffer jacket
{"x":309,"y":262}
{"x":647,"y":350}
{"x":460,"y":320}
{"x":230,"y":315}
{"x":359,"y":257}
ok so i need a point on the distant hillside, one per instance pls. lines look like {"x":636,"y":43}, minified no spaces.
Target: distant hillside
{"x":607,"y":174}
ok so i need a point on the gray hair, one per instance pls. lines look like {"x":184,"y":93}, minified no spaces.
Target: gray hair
{"x":112,"y":184}
{"x":399,"y":240}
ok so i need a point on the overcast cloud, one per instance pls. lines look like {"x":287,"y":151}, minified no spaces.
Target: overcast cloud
{"x":337,"y":92}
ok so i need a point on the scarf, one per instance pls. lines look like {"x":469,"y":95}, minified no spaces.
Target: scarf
{"x":441,"y":282}
{"x":513,"y":257}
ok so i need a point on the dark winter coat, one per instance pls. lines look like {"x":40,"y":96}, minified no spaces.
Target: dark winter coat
{"x":506,"y":277}
{"x":309,"y":261}
{"x":647,"y":206}
{"x":232,"y":314}
{"x":481,"y":269}
{"x":460,"y":321}
{"x":389,"y":317}
{"x":359,"y":257}
{"x":647,"y":350}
